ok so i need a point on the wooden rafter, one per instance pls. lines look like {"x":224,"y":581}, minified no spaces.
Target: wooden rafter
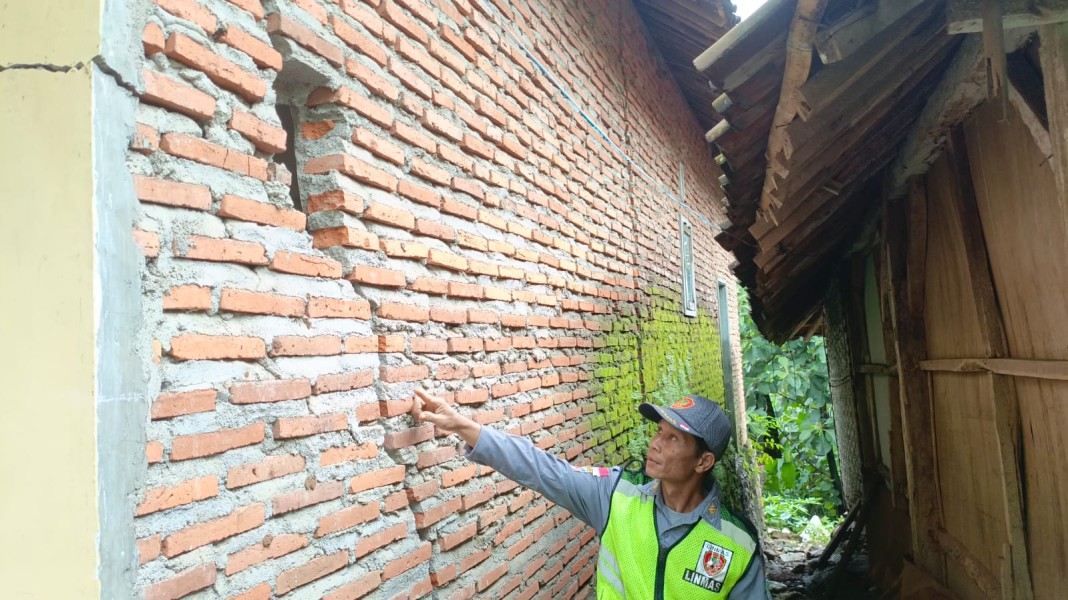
{"x":966,"y":16}
{"x":856,"y":29}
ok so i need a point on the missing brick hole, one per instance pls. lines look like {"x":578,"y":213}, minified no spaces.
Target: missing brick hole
{"x":288,"y":116}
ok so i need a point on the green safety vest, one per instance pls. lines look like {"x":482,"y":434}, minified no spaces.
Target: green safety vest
{"x":705,"y":564}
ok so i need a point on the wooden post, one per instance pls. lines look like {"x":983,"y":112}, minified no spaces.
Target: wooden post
{"x":1006,"y":405}
{"x":904,"y":248}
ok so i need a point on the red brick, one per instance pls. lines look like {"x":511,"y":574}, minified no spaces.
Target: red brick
{"x":336,"y":200}
{"x":260,"y":303}
{"x":442,"y":125}
{"x":259,"y":51}
{"x":148,"y":549}
{"x":346,"y":518}
{"x":356,"y":101}
{"x":192,"y":11}
{"x":253,"y":7}
{"x":182,"y":584}
{"x":270,"y":548}
{"x":174,"y":404}
{"x":419,"y":193}
{"x":317,"y":568}
{"x":472,"y":396}
{"x":200,"y":248}
{"x":153,"y":452}
{"x":447,"y":372}
{"x":474,"y":559}
{"x":216,"y":442}
{"x":408,"y":437}
{"x":473,"y":499}
{"x":216,"y":347}
{"x":147,"y":242}
{"x":348,"y":237}
{"x":340,"y":382}
{"x":430,"y":285}
{"x":435,"y":229}
{"x":259,"y":592}
{"x":280,"y":25}
{"x":403,"y":312}
{"x":224,"y":73}
{"x":380,"y":147}
{"x":491,"y":577}
{"x":447,"y":260}
{"x":353,"y":168}
{"x":369,"y":543}
{"x":363,"y":45}
{"x":375,"y":276}
{"x":376,"y":479}
{"x":187,"y":492}
{"x":269,"y":468}
{"x":267,"y":137}
{"x":269,"y":391}
{"x":152,"y":39}
{"x":298,"y":499}
{"x":361,"y":344}
{"x":395,"y":501}
{"x":208,"y":532}
{"x":199,"y":150}
{"x":172,"y":193}
{"x":458,"y":476}
{"x":350,"y":453}
{"x":177,"y":96}
{"x":466,"y":290}
{"x":297,"y":263}
{"x":392,"y":12}
{"x":187,"y":297}
{"x":245,"y":209}
{"x":293,"y":427}
{"x":316,"y":130}
{"x":374,"y":82}
{"x":403,"y":374}
{"x":425,"y":170}
{"x":433,"y":515}
{"x":357,"y":589}
{"x":145,"y":140}
{"x":381,"y":213}
{"x":337,"y":308}
{"x":465,"y":345}
{"x":297,"y":345}
{"x":413,"y":136}
{"x":407,"y":562}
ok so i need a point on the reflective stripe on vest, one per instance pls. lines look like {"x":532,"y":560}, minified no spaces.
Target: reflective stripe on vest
{"x":705,"y":564}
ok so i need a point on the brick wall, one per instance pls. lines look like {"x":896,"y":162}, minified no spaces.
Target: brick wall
{"x":438,"y":215}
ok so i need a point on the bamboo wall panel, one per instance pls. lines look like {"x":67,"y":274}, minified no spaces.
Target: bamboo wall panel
{"x":1026,"y":240}
{"x":969,"y":475}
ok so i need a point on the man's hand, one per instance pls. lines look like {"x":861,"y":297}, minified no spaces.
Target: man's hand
{"x":433,"y":409}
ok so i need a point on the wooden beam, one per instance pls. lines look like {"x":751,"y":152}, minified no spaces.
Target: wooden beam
{"x":917,"y":408}
{"x":1006,"y":404}
{"x":1056,"y":370}
{"x":1054,"y":55}
{"x":798,"y":67}
{"x":966,"y":16}
{"x":745,"y":39}
{"x":856,"y":29}
{"x":962,"y":88}
{"x":824,"y":89}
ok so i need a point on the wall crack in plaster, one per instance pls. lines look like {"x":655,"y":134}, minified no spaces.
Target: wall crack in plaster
{"x":78,"y":66}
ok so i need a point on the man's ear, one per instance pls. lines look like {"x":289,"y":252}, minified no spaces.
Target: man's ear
{"x":706,"y":462}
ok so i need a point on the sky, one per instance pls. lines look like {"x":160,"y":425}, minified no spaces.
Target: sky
{"x":746,"y":7}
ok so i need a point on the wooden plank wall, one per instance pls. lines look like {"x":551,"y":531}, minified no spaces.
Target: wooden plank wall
{"x":1027,"y":243}
{"x":996,"y":282}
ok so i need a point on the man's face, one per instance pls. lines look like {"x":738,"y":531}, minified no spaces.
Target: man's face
{"x":673,"y":455}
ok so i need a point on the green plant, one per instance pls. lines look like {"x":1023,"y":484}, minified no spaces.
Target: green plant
{"x":791,"y":423}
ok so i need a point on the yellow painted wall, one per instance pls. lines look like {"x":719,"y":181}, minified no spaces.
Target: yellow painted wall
{"x":48,"y":510}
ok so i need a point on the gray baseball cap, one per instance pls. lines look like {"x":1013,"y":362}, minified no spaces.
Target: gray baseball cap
{"x":697,"y":416}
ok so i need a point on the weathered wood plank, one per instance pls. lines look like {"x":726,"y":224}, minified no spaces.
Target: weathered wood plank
{"x":856,"y":29}
{"x":1054,"y":53}
{"x":1006,"y":404}
{"x":966,"y":16}
{"x":746,"y":39}
{"x":917,"y":410}
{"x":1056,"y":370}
{"x":967,"y":561}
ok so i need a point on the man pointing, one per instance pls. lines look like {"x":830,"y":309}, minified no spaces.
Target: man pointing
{"x":670,"y":538}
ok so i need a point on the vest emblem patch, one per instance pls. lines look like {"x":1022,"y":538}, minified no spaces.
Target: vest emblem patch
{"x":711,"y":569}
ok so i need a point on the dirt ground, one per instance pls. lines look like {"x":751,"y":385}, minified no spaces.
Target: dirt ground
{"x":793,"y":574}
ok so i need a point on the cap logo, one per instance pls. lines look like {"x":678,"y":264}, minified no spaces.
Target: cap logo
{"x":686,"y":402}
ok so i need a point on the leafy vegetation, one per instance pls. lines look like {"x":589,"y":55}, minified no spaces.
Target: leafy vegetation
{"x":791,"y":423}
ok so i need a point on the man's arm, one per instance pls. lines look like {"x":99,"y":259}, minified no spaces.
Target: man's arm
{"x":586,"y":493}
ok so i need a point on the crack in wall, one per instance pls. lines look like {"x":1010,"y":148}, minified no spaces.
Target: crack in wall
{"x":78,"y":66}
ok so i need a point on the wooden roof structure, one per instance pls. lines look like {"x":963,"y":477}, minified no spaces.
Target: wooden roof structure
{"x":682,"y":29}
{"x":817,"y":97}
